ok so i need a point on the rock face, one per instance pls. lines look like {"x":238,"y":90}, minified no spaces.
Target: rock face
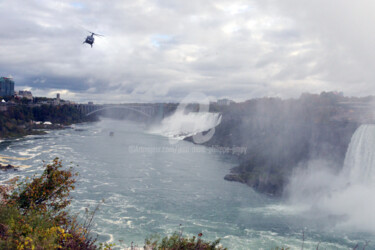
{"x":234,"y":177}
{"x":263,"y":184}
{"x":280,"y":135}
{"x":8,"y":167}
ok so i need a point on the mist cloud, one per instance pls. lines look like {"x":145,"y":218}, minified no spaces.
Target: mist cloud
{"x":341,"y":199}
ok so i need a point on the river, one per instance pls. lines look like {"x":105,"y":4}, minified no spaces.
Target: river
{"x":152,"y":186}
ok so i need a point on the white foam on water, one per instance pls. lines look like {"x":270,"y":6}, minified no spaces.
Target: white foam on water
{"x":31,"y":152}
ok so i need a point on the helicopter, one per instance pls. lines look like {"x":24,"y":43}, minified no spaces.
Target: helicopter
{"x":90,"y":39}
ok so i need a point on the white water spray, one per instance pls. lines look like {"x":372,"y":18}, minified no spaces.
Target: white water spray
{"x":181,"y":124}
{"x":184,"y":123}
{"x":348,"y":196}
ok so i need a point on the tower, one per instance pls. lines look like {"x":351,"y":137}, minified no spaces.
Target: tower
{"x":6,"y":86}
{"x":58,"y":98}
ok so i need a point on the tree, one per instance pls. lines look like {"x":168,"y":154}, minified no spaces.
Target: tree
{"x":33,"y":215}
{"x":47,"y":193}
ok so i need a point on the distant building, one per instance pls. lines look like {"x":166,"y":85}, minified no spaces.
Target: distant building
{"x":224,"y":102}
{"x":24,"y":94}
{"x":91,"y":103}
{"x":57,"y":100}
{"x":6,"y":86}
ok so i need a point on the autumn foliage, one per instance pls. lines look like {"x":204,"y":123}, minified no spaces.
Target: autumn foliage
{"x":33,"y":213}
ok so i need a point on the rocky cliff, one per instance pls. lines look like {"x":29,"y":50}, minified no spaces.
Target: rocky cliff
{"x":280,"y":135}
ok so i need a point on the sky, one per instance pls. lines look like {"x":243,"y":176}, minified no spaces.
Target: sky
{"x":163,"y":50}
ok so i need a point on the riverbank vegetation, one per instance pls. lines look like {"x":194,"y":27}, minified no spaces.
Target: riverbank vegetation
{"x":20,"y":120}
{"x":178,"y":241}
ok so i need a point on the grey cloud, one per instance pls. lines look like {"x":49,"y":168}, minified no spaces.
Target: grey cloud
{"x":346,"y":35}
{"x":164,"y":49}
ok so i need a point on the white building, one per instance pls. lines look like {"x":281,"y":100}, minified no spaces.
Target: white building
{"x":24,"y":94}
{"x":224,"y":102}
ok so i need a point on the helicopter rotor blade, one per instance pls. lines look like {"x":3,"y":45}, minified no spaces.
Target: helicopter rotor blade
{"x":93,"y":33}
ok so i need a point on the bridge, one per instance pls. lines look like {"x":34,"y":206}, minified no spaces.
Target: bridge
{"x":147,"y":110}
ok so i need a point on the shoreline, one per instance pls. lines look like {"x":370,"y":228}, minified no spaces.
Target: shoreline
{"x":6,"y":163}
{"x":40,"y":129}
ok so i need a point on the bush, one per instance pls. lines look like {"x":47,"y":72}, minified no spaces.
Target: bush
{"x":177,"y":241}
{"x":33,"y":216}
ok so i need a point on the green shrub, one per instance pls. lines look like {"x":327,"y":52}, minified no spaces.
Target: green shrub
{"x":177,"y":241}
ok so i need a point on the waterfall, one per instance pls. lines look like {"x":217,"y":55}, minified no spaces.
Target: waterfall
{"x":344,"y":200}
{"x":360,"y":156}
{"x":181,"y":124}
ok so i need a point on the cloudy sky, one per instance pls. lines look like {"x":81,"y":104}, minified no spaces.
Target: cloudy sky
{"x":162,"y":50}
